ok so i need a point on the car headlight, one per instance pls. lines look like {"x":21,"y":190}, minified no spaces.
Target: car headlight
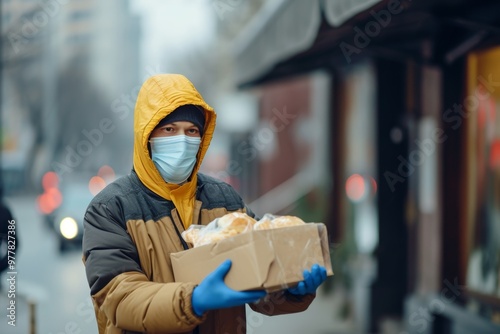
{"x":68,"y":228}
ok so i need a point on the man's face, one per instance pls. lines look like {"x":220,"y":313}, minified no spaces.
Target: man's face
{"x":176,"y":129}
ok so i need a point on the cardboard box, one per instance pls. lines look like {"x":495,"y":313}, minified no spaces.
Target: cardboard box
{"x":271,"y":259}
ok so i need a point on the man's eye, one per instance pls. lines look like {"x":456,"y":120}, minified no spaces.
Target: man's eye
{"x":169,"y":129}
{"x":193,"y":131}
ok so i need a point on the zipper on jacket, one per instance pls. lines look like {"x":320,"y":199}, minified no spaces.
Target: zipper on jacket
{"x":184,"y":244}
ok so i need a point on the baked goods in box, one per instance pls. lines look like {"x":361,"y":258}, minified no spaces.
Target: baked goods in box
{"x":191,"y":234}
{"x":235,"y":223}
{"x":264,"y":223}
{"x":224,"y":227}
{"x":270,"y":221}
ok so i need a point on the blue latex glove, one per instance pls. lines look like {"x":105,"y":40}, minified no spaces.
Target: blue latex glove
{"x":312,"y":280}
{"x":212,"y":293}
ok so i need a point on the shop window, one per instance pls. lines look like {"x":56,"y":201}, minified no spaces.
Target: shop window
{"x":360,"y":158}
{"x":482,"y":109}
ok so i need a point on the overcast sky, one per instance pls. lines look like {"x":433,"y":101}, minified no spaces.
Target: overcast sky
{"x":171,"y":28}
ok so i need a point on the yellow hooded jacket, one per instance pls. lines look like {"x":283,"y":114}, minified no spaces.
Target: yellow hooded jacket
{"x":159,"y":96}
{"x":134,"y":224}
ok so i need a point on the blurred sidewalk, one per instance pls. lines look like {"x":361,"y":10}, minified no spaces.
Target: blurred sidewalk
{"x":22,"y":316}
{"x":322,"y":317}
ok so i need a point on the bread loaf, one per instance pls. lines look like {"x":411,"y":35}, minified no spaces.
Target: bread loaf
{"x":224,"y":227}
{"x":284,"y":221}
{"x":269,"y":221}
{"x":191,"y":234}
{"x":235,"y":223}
{"x":264,"y":223}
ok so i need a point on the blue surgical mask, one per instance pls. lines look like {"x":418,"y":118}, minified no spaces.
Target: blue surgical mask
{"x":175,"y":156}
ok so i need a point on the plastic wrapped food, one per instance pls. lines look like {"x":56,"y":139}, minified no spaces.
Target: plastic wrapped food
{"x":224,"y":227}
{"x":233,"y":224}
{"x":270,"y":221}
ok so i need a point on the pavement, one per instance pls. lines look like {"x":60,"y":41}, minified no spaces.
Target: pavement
{"x":54,"y":283}
{"x":318,"y":319}
{"x":322,"y":317}
{"x":20,"y":314}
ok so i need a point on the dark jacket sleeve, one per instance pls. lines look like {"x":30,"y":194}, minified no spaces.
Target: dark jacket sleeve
{"x":120,"y":290}
{"x":282,"y":302}
{"x":251,"y":213}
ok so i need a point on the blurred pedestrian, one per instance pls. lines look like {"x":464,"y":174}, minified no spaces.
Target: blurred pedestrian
{"x":6,"y":220}
{"x":133,"y":225}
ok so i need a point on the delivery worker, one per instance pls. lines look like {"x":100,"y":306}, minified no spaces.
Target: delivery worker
{"x":132,"y":226}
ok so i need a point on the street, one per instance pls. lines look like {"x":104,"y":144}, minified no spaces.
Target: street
{"x":54,"y":282}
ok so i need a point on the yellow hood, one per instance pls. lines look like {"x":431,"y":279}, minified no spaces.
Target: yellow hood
{"x":159,"y":96}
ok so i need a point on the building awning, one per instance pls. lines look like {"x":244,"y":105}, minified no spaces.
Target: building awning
{"x":339,"y":11}
{"x":284,"y":28}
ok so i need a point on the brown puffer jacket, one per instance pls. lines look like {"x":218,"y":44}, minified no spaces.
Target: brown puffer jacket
{"x":132,"y":226}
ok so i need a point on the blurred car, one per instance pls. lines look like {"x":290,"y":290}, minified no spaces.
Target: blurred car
{"x":67,"y":219}
{"x":63,"y":203}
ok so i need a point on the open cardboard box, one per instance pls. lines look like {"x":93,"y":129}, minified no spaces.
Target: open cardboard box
{"x":268,"y":259}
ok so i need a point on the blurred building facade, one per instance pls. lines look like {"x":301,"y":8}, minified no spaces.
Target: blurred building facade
{"x":70,"y":60}
{"x":380,"y":119}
